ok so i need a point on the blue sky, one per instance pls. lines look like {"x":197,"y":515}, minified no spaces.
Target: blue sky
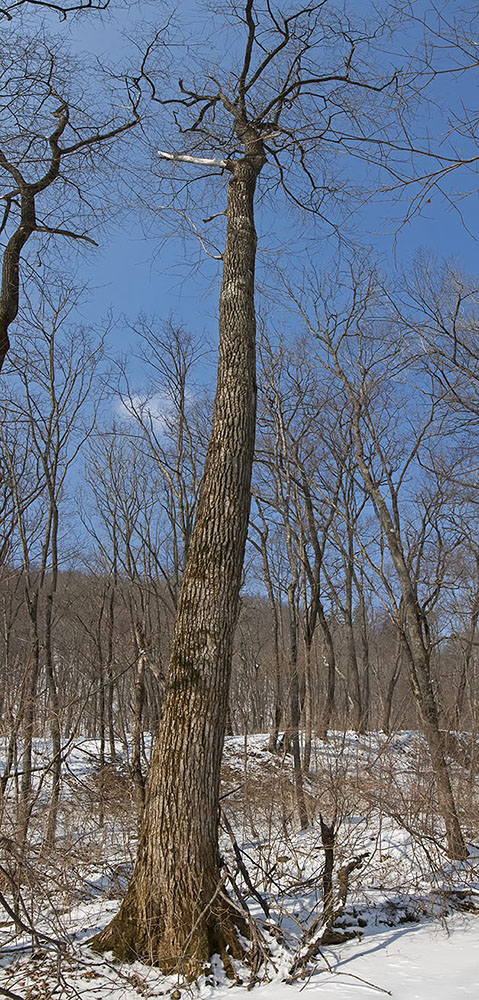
{"x":130,"y":272}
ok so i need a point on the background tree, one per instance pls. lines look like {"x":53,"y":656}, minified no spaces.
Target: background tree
{"x":49,"y":385}
{"x":368,"y":369}
{"x":168,"y":417}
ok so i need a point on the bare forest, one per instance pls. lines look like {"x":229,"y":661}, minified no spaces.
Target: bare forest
{"x":239,"y":556}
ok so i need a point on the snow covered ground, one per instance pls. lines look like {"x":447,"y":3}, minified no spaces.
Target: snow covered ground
{"x":438,"y":961}
{"x":413,"y":916}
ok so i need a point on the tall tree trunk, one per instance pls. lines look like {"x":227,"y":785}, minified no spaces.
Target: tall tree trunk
{"x":364,"y":648}
{"x":55,"y":727}
{"x":456,"y":716}
{"x":139,"y":697}
{"x":388,"y":700}
{"x":423,"y":690}
{"x":292,"y":737}
{"x":277,"y":707}
{"x":329,"y":660}
{"x":308,"y":706}
{"x":352,"y":670}
{"x":51,"y":587}
{"x":176,"y":913}
{"x":109,"y":671}
{"x":28,"y":718}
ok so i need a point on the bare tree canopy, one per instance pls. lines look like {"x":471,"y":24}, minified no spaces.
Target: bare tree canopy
{"x":142,"y":606}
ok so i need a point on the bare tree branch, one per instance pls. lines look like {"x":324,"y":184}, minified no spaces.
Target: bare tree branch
{"x":203,"y":161}
{"x":23,"y":198}
{"x":60,"y":8}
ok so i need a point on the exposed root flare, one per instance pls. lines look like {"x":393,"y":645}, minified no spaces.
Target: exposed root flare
{"x":180,"y":946}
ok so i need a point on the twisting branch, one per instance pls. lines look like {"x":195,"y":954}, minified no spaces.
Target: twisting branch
{"x":24,"y":195}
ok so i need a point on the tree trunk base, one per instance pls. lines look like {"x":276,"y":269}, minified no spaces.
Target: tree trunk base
{"x":178,"y":946}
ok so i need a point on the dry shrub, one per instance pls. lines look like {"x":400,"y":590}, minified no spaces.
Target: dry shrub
{"x":112,"y":787}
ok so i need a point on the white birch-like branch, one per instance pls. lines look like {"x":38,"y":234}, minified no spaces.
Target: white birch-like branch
{"x":202,"y":161}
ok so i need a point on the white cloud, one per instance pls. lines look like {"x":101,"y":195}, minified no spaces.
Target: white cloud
{"x":155,"y":409}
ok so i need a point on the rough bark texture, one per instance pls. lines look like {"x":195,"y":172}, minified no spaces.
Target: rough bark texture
{"x":176,"y":913}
